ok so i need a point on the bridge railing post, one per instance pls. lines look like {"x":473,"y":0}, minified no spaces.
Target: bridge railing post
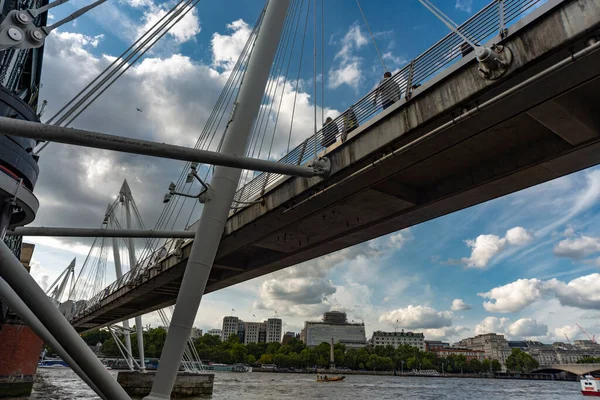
{"x":501,"y":19}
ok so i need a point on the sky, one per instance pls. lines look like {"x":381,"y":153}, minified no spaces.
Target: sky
{"x":526,"y":265}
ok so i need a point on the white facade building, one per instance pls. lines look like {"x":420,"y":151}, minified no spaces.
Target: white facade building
{"x":334,"y":326}
{"x":274,"y":330}
{"x":215,"y":332}
{"x":230,"y":326}
{"x":413,"y":339}
{"x":252,"y":332}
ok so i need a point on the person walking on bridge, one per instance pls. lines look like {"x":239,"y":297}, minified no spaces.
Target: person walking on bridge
{"x":330,"y":132}
{"x":350,"y":122}
{"x":388,"y":92}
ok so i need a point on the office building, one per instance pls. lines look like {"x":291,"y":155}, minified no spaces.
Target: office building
{"x":413,"y":339}
{"x":196,"y":333}
{"x":334,"y":325}
{"x":494,"y":346}
{"x":215,"y":332}
{"x":274,"y":330}
{"x":434,"y":345}
{"x":455,"y":351}
{"x":252,"y":332}
{"x":287,"y":338}
{"x":230,"y":326}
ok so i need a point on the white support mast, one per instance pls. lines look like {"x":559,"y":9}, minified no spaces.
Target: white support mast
{"x":119,"y":273}
{"x":128,"y":198}
{"x":220,"y":197}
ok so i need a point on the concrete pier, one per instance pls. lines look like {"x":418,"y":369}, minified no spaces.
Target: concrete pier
{"x":188,"y":385}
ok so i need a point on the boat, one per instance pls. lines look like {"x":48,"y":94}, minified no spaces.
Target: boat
{"x":325,"y":378}
{"x":590,"y":386}
{"x":52,"y":363}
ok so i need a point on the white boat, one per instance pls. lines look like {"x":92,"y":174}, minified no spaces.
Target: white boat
{"x":590,"y":386}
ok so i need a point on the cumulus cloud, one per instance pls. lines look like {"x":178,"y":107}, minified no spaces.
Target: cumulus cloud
{"x":227,"y":48}
{"x":582,"y":292}
{"x":445,"y":333}
{"x":491,"y":325}
{"x":305,"y":290}
{"x":522,"y":328}
{"x":514,"y":296}
{"x":459,"y":305}
{"x":348,"y":68}
{"x":577,"y":248}
{"x":414,"y":317}
{"x":527,"y":327}
{"x":485,"y":247}
{"x":464,"y":5}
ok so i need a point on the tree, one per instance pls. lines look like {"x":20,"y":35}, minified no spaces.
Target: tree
{"x":238,"y":352}
{"x":110,"y":349}
{"x":273,"y":348}
{"x":96,"y":336}
{"x":486,"y":365}
{"x":474,"y":365}
{"x":519,"y":361}
{"x":496,"y":366}
{"x":266,"y":359}
{"x":251,"y":359}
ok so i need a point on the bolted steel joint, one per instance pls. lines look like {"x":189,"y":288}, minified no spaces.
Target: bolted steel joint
{"x":322,"y":166}
{"x":494,"y":61}
{"x":36,"y":35}
{"x":15,"y":34}
{"x":21,"y":17}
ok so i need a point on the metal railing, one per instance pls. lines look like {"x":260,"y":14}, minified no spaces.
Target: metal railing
{"x":481,"y":27}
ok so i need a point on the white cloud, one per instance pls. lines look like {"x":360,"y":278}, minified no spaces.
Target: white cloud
{"x":518,"y":236}
{"x":415,"y":317}
{"x":464,"y":5}
{"x":181,"y":32}
{"x":459,"y":305}
{"x":485,"y":247}
{"x":568,"y":331}
{"x":514,"y":296}
{"x":577,"y":248}
{"x":491,"y":325}
{"x":348,"y":69}
{"x":227,"y":48}
{"x":582,"y":292}
{"x":527,"y":327}
{"x":446,"y":333}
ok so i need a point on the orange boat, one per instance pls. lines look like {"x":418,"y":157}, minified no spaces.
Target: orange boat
{"x":325,"y":378}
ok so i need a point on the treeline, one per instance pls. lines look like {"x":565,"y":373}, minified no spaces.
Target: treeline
{"x":589,"y":360}
{"x":296,"y":355}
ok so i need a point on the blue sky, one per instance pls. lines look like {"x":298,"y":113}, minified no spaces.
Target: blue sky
{"x":525,"y":265}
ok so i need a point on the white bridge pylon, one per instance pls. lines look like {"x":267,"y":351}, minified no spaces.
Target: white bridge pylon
{"x":126,"y":202}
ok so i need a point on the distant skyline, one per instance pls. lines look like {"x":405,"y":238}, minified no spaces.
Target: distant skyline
{"x":526,"y":265}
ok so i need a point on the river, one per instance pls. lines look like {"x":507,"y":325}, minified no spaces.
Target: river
{"x":63,"y":384}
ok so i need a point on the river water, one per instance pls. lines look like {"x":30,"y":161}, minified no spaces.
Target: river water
{"x":63,"y":384}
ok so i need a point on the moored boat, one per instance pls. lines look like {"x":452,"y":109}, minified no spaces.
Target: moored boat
{"x":590,"y":386}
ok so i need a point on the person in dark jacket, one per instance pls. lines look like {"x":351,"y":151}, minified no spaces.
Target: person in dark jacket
{"x":330,"y":132}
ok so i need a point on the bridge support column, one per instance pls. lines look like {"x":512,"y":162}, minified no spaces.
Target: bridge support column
{"x":222,"y":188}
{"x":119,"y":274}
{"x":51,"y":318}
{"x":26,"y":315}
{"x":132,"y":264}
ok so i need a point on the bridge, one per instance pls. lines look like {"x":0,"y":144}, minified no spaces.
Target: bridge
{"x":576,"y":369}
{"x":454,"y":140}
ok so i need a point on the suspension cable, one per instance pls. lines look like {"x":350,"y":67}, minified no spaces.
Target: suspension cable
{"x":315,"y":74}
{"x":372,"y":37}
{"x":298,"y":77}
